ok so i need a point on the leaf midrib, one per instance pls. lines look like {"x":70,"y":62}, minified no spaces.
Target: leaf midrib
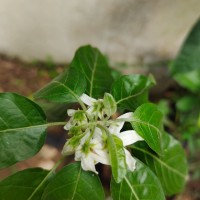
{"x":115,"y":157}
{"x":160,"y":161}
{"x":93,"y":73}
{"x":77,"y":181}
{"x":129,"y":97}
{"x":25,"y":127}
{"x":70,"y":91}
{"x":33,"y":126}
{"x":113,"y":148}
{"x":149,"y":125}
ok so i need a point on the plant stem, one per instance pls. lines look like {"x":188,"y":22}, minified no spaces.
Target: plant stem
{"x":56,"y":124}
{"x":46,"y":177}
{"x":82,"y":104}
{"x":103,"y":128}
{"x":95,"y":122}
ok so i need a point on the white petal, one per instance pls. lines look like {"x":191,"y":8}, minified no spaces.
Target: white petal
{"x":87,"y":100}
{"x":101,"y":156}
{"x":78,"y":154}
{"x":67,"y":149}
{"x":97,"y":143}
{"x":97,"y":134}
{"x":99,"y":152}
{"x":129,"y":137}
{"x":71,"y":112}
{"x":98,"y":146}
{"x":116,"y":128}
{"x":126,"y":116}
{"x":68,"y":125}
{"x":130,"y":161}
{"x":84,"y":138}
{"x":90,"y":110}
{"x":88,"y":164}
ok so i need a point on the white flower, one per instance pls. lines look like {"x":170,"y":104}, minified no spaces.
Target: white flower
{"x":106,"y":106}
{"x":90,"y":143}
{"x":92,"y":103}
{"x":87,"y":100}
{"x":78,"y":117}
{"x":93,"y":152}
{"x":71,"y":145}
{"x":97,"y":152}
{"x":128,"y":137}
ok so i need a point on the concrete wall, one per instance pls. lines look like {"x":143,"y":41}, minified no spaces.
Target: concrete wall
{"x":126,"y":30}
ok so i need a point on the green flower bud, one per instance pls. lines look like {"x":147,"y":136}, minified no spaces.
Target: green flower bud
{"x":110,"y":106}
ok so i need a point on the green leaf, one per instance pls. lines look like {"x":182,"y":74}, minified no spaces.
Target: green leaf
{"x":117,"y":157}
{"x":22,"y":185}
{"x":189,"y":80}
{"x":130,"y":91}
{"x":22,"y":128}
{"x":115,"y":74}
{"x":186,"y":67}
{"x":187,"y":103}
{"x":170,"y":168}
{"x":95,"y":70}
{"x":67,"y":87}
{"x":71,"y":182}
{"x":147,"y":121}
{"x":140,"y":184}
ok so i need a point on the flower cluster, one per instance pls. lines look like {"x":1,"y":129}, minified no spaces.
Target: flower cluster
{"x":88,"y":139}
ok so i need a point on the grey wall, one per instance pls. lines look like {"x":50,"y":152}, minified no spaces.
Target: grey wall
{"x":126,"y":30}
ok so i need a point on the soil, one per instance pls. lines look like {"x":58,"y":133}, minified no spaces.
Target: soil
{"x":26,"y":78}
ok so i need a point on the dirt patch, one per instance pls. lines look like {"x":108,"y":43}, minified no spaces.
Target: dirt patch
{"x":25,"y":78}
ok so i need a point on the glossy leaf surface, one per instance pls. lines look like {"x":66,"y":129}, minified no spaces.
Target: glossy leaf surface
{"x":147,"y":121}
{"x":72,"y":182}
{"x":130,"y":91}
{"x":23,"y":184}
{"x":140,"y":184}
{"x":94,"y":67}
{"x":22,"y":128}
{"x":117,"y":157}
{"x":170,"y":168}
{"x":186,"y":67}
{"x":67,"y":87}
